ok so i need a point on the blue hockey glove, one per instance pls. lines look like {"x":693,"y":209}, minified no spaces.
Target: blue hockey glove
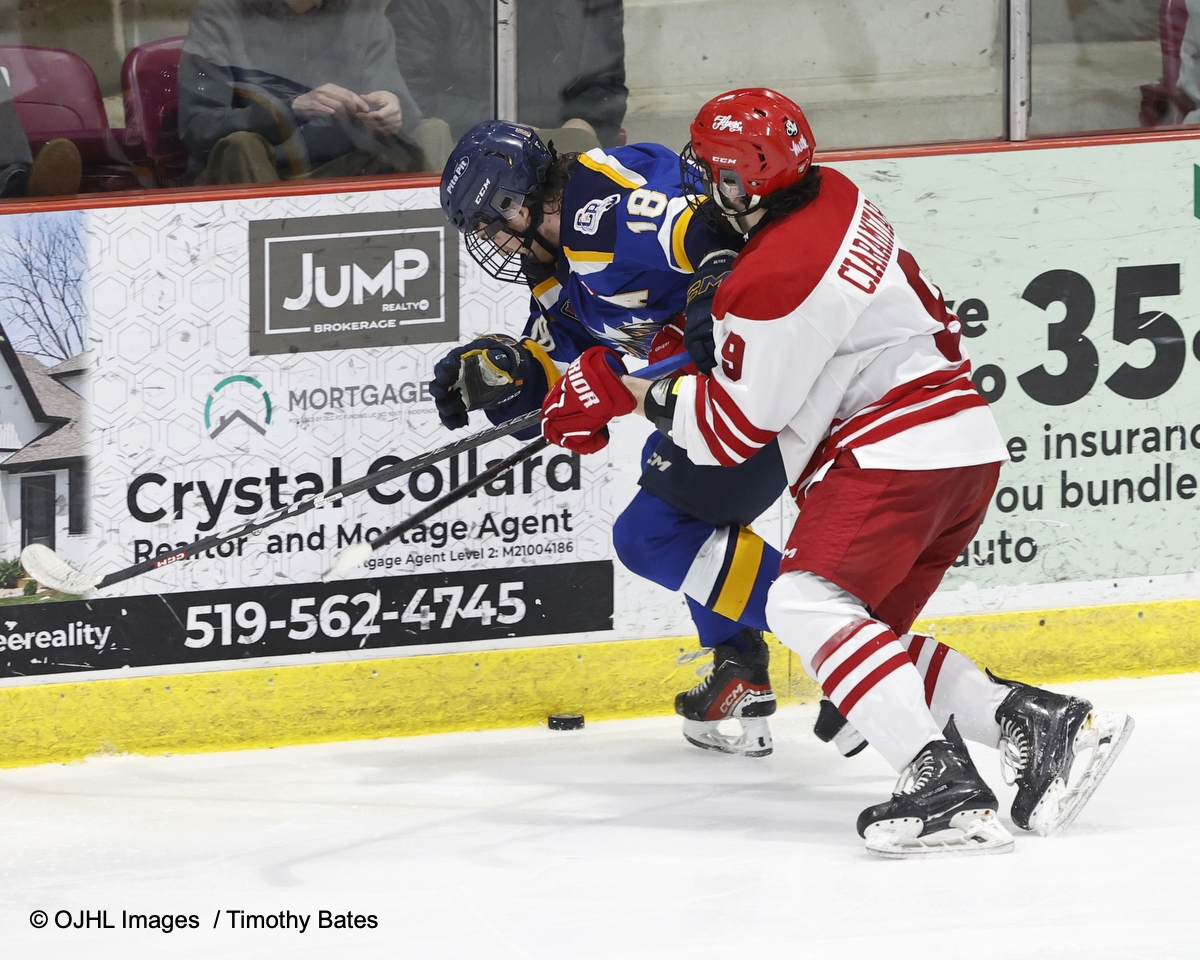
{"x":481,"y":375}
{"x":698,"y":334}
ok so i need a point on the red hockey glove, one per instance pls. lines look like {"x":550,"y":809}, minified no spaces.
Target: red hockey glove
{"x":578,"y":407}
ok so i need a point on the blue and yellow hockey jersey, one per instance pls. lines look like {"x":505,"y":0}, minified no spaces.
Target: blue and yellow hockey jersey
{"x":630,"y":244}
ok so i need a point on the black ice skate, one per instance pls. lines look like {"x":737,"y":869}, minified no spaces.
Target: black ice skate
{"x":1041,"y":737}
{"x":941,"y":807}
{"x":739,"y":687}
{"x":832,"y":727}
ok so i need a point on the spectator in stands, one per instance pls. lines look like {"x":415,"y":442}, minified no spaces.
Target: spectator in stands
{"x":1164,"y":103}
{"x":280,"y":89}
{"x":571,"y":58}
{"x":55,"y":172}
{"x":1189,"y":62}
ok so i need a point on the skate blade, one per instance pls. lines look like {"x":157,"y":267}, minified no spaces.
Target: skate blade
{"x":972,"y":833}
{"x":1104,"y":733}
{"x":755,"y":739}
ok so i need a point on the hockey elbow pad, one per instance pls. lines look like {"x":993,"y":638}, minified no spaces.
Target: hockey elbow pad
{"x":660,"y":403}
{"x":698,"y":334}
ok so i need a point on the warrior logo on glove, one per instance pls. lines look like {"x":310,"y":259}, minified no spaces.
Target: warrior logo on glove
{"x":578,"y":407}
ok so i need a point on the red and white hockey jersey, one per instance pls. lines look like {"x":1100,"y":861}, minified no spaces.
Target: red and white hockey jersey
{"x":830,"y":338}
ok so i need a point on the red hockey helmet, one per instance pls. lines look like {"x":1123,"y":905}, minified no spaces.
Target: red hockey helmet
{"x":749,"y":143}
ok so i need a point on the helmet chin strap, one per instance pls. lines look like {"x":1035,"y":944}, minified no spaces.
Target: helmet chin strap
{"x":733,"y":215}
{"x":530,"y":235}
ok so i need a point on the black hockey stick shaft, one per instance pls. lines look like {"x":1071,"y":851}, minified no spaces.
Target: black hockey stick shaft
{"x":458,"y":493}
{"x":378,"y":478}
{"x":653,"y":371}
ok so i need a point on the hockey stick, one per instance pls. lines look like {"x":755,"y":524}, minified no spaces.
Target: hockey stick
{"x":48,"y":568}
{"x":357,"y":554}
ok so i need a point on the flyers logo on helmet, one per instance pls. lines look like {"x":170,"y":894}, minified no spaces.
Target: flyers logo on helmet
{"x":726,"y":122}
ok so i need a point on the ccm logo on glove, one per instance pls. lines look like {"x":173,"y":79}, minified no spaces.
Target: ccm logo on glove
{"x":578,"y":407}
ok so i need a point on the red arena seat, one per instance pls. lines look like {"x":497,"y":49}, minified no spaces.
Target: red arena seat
{"x":150,"y":84}
{"x":56,"y":95}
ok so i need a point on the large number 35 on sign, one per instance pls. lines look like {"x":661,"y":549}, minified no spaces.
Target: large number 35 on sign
{"x":1130,"y":324}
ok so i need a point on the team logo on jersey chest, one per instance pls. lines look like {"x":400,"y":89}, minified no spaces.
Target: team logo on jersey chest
{"x":587,"y":217}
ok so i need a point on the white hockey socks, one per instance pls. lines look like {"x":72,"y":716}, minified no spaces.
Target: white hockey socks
{"x":954,"y":686}
{"x":867,"y":674}
{"x":861,"y":665}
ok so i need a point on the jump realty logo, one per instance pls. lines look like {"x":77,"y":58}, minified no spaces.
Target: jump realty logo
{"x":235,"y":404}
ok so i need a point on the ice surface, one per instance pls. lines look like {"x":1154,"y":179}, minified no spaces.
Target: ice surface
{"x":616,"y":841}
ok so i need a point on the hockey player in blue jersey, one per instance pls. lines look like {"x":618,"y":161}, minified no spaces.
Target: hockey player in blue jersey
{"x":615,"y":256}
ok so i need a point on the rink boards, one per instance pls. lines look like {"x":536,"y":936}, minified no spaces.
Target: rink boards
{"x":255,"y":350}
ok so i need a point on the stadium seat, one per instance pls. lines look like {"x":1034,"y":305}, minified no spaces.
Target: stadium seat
{"x":56,"y":94}
{"x":149,"y":83}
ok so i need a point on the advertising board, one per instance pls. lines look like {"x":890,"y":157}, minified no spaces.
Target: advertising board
{"x":202,"y":363}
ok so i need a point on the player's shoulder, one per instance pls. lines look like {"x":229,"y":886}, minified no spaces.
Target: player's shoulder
{"x":606,"y":189}
{"x":632,"y":167}
{"x":783,"y":264}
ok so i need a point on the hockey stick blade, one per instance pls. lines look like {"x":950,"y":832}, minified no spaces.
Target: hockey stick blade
{"x":353,"y":556}
{"x":51,"y":570}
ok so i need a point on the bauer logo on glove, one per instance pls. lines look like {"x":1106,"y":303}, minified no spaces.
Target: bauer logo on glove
{"x":578,"y":407}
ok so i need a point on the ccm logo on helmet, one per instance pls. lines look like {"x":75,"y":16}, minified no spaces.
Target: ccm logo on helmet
{"x":483,"y":190}
{"x":726,"y":122}
{"x":725,"y":160}
{"x":459,"y":170}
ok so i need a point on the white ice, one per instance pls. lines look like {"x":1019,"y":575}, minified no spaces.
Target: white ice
{"x":617,"y":841}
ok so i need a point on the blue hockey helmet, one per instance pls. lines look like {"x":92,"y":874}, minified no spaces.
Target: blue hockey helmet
{"x":497,"y":168}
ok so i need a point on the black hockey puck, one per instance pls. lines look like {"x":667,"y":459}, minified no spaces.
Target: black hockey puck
{"x":565,"y":721}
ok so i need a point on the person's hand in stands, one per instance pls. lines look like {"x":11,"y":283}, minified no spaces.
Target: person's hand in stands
{"x":384,"y":114}
{"x":329,"y":100}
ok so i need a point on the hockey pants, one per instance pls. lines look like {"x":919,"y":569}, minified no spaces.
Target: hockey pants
{"x":687,"y":529}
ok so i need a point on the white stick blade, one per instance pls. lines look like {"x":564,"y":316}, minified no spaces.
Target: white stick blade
{"x":353,"y":556}
{"x":51,"y":570}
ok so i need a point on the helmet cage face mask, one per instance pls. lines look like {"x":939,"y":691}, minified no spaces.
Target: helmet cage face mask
{"x":508,"y":265}
{"x":481,"y":243}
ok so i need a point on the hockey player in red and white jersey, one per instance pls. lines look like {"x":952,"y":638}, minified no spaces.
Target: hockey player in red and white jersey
{"x":832,"y":341}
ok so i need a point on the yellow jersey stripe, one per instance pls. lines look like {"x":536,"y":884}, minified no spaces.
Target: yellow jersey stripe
{"x":545,"y":285}
{"x":743,"y":571}
{"x":611,"y":171}
{"x":587,"y":256}
{"x":678,"y":236}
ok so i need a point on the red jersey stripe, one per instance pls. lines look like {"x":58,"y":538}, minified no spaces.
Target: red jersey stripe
{"x":730,"y":408}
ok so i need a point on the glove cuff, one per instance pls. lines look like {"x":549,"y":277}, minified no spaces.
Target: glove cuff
{"x":549,"y":367}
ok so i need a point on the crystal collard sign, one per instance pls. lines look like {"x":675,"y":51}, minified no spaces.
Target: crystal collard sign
{"x":345,"y":282}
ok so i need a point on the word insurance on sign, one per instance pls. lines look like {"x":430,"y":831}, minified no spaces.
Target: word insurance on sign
{"x":352,"y":281}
